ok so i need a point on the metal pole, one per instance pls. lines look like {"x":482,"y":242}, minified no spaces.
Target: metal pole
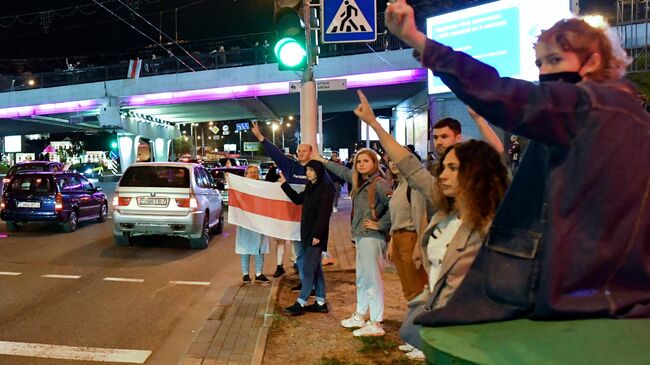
{"x":193,"y":129}
{"x":273,"y":129}
{"x":308,"y":95}
{"x":202,"y":143}
{"x":241,"y":148}
{"x":282,"y":131}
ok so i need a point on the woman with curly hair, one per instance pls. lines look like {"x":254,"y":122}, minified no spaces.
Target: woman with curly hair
{"x":470,"y":183}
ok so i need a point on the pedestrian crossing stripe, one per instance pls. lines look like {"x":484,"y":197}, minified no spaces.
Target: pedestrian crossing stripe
{"x":349,"y":19}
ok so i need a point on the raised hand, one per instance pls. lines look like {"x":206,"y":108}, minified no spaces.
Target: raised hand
{"x":364,"y":110}
{"x":400,"y":21}
{"x":256,"y":132}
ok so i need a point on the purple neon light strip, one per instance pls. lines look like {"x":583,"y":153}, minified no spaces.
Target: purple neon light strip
{"x":221,"y":93}
{"x":274,"y":88}
{"x":51,"y":108}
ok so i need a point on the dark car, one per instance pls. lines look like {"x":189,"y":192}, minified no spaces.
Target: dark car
{"x":219,"y":176}
{"x":66,"y":198}
{"x":233,"y":162}
{"x":32,"y":166}
{"x":89,"y":169}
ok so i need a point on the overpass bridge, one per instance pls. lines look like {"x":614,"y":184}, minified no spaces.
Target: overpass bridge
{"x":163,"y":102}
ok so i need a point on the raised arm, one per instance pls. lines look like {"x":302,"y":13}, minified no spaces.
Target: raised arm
{"x":486,"y":131}
{"x":283,"y":162}
{"x":544,"y":112}
{"x":335,"y":168}
{"x":416,"y":175}
{"x":400,"y":20}
{"x":296,"y":198}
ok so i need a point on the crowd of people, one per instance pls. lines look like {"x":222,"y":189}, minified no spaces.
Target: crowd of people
{"x":565,"y":237}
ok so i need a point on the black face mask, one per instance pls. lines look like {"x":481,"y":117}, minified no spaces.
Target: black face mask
{"x":570,"y":77}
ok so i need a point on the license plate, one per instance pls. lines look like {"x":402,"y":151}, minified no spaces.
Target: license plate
{"x":154,"y":202}
{"x":29,"y":204}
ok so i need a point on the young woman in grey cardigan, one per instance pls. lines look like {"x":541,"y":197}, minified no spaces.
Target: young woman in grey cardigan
{"x":368,"y":231}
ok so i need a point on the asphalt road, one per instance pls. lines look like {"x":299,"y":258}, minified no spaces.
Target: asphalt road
{"x":90,"y":298}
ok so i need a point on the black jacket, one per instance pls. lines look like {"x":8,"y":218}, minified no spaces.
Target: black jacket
{"x":316,"y":200}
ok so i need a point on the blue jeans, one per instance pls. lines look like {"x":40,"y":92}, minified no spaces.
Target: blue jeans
{"x":370,"y":285}
{"x":297,"y":246}
{"x":313,"y":275}
{"x":246,"y":260}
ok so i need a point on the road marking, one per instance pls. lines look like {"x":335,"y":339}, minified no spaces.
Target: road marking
{"x":125,"y":280}
{"x":9,"y":273}
{"x":54,"y":276}
{"x":181,"y":282}
{"x":73,"y":352}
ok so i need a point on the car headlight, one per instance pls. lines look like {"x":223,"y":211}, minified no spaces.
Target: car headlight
{"x":89,"y":171}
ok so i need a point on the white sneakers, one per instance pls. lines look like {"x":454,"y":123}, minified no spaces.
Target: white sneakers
{"x":369,"y":330}
{"x":406,"y":347}
{"x":353,"y":322}
{"x":335,"y":209}
{"x":416,"y":355}
{"x":365,"y":328}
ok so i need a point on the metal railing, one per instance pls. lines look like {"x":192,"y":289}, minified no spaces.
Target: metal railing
{"x":161,"y":66}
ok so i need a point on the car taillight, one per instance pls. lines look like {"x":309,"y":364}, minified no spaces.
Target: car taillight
{"x":2,"y":203}
{"x":121,"y":201}
{"x":58,"y":202}
{"x":6,"y":180}
{"x":187,"y":202}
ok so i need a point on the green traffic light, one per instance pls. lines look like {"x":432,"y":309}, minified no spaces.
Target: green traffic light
{"x":290,"y":52}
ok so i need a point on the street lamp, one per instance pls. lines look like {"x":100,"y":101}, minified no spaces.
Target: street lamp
{"x":274,"y":127}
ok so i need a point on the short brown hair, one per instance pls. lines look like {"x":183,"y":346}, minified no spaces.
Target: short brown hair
{"x":451,"y":123}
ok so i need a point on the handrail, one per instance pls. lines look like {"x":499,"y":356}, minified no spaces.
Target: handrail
{"x":161,"y":66}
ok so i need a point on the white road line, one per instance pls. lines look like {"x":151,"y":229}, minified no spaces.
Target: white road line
{"x":55,"y":276}
{"x":73,"y":352}
{"x":125,"y":280}
{"x":10,"y":273}
{"x":181,"y":282}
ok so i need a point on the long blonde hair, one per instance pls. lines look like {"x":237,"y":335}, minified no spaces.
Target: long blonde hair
{"x":356,"y":176}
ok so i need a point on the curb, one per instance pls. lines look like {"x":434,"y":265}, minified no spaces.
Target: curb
{"x":260,"y":346}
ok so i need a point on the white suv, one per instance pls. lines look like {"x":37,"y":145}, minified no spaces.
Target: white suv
{"x":168,"y":198}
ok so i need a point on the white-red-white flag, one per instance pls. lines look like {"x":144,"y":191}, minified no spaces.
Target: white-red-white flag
{"x":134,"y":69}
{"x":263,"y":207}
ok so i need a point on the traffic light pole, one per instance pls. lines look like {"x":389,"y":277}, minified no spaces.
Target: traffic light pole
{"x":308,"y":94}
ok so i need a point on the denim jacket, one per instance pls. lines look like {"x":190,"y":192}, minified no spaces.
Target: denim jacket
{"x":361,"y":206}
{"x":572,"y":235}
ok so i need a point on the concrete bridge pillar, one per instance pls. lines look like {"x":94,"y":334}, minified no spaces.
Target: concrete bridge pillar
{"x":128,"y":146}
{"x":161,"y":149}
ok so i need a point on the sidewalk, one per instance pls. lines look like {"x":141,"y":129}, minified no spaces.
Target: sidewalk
{"x":236,"y":331}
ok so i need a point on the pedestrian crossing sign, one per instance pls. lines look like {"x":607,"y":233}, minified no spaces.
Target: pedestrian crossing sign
{"x":348,"y":21}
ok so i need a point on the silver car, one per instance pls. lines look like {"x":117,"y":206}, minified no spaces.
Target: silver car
{"x":168,"y":198}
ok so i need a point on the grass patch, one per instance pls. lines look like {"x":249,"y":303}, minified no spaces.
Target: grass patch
{"x":375,"y":344}
{"x":334,"y":361}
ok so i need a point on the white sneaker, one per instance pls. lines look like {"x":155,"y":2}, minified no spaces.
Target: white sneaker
{"x":353,"y":322}
{"x":335,"y":209}
{"x":416,"y":355}
{"x":406,"y":347}
{"x":369,"y":330}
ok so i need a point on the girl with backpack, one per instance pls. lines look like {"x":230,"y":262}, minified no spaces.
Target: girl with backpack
{"x":370,"y":224}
